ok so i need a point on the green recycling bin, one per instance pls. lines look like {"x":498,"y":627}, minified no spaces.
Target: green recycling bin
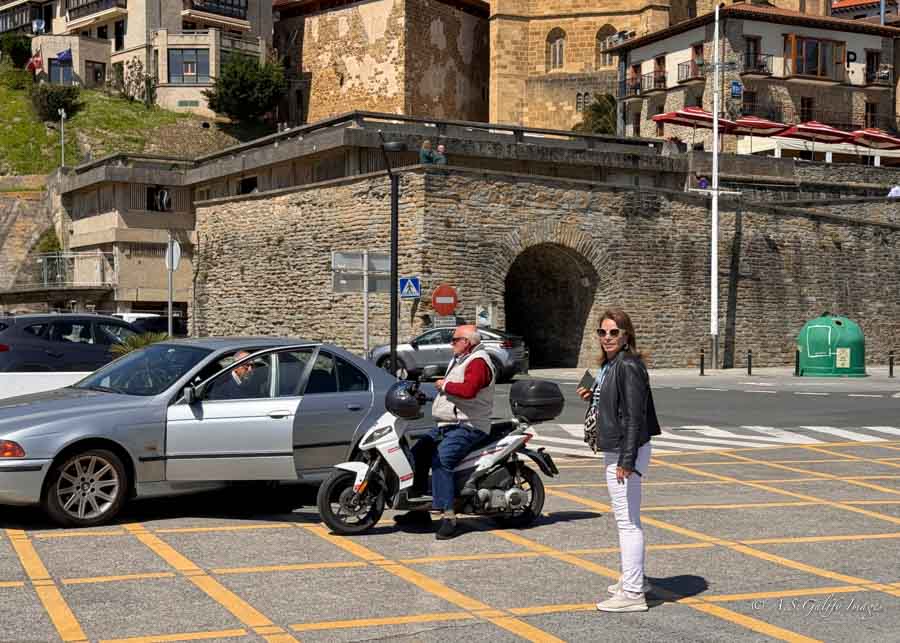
{"x":832,"y":346}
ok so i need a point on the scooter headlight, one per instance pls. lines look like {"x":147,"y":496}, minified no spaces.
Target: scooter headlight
{"x":377,"y":434}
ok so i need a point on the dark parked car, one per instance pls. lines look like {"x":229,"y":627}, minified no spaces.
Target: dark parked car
{"x":160,"y":324}
{"x":59,"y":342}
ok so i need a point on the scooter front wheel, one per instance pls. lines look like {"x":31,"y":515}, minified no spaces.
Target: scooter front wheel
{"x":345,"y":511}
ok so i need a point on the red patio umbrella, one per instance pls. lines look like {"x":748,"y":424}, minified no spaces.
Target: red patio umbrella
{"x":875,"y":138}
{"x":693,"y":117}
{"x":815,"y":131}
{"x":750,"y":125}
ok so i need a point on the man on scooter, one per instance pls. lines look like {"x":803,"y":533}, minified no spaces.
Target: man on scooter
{"x":462,"y":410}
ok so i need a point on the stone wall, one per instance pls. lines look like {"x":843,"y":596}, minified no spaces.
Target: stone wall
{"x":447,"y":62}
{"x":24,"y":217}
{"x":502,"y":238}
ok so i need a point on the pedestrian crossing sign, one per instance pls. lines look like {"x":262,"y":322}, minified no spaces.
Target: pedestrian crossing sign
{"x":410,"y":288}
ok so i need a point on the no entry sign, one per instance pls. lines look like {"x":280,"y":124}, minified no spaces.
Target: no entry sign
{"x":444,"y":299}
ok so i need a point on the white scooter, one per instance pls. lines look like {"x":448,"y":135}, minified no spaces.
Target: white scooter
{"x":493,"y":478}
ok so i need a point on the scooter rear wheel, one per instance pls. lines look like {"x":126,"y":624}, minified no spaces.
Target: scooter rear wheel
{"x":530,"y":480}
{"x":345,"y":512}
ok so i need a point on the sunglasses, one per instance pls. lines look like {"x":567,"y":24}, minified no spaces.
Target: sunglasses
{"x":457,"y":339}
{"x":613,"y":332}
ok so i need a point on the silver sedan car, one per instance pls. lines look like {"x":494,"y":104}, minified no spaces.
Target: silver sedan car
{"x":186,"y":415}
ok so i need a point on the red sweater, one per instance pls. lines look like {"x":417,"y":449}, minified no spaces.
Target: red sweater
{"x":476,"y":377}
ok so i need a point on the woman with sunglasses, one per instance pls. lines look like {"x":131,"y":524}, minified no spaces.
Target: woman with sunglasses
{"x":625,"y":422}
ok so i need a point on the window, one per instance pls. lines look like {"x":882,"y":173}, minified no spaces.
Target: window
{"x":871,"y":114}
{"x":660,"y":127}
{"x":814,"y":57}
{"x":248,"y":380}
{"x":159,"y":199}
{"x":291,"y":366}
{"x":606,"y":38}
{"x":120,"y":30}
{"x":556,"y":46}
{"x":749,"y":105}
{"x":188,"y":66}
{"x":71,"y":332}
{"x":636,"y":124}
{"x":36,"y":329}
{"x":874,"y":70}
{"x":248,"y":185}
{"x":351,"y":378}
{"x":807,"y":109}
{"x":112,"y":333}
{"x":103,"y":32}
{"x":60,"y":72}
{"x":435,"y":337}
{"x":579,"y":102}
{"x":323,"y":376}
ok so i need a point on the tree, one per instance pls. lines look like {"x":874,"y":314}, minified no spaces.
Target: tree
{"x":138,"y":85}
{"x":135,"y":342}
{"x":17,"y":47}
{"x":246,"y":90}
{"x":48,"y":99}
{"x":600,"y":116}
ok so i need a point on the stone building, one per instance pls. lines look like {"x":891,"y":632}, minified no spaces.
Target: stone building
{"x":411,"y":57}
{"x":183,"y":43}
{"x":780,"y":64}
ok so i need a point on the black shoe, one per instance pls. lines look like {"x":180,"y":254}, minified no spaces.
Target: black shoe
{"x":446,"y":529}
{"x":415,"y":517}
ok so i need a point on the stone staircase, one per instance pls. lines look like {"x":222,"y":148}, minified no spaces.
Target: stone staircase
{"x":23,"y":218}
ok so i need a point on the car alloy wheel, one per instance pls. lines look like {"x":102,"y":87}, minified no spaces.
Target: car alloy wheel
{"x":89,"y":485}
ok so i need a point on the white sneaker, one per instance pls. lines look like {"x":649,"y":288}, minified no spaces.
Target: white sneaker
{"x":616,"y":587}
{"x":623,"y":603}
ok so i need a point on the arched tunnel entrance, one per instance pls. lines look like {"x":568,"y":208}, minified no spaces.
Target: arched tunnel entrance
{"x":549,"y":294}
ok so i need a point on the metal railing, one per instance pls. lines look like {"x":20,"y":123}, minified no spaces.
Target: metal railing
{"x":229,"y":9}
{"x":690,"y":70}
{"x":758,"y":64}
{"x":844,"y":120}
{"x":630,"y":88}
{"x":655,"y":80}
{"x":62,"y":269}
{"x":880,"y":76}
{"x":85,"y":9}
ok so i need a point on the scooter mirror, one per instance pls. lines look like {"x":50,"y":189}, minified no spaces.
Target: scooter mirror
{"x":431,"y":372}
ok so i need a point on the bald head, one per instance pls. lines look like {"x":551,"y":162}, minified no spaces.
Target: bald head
{"x":470,"y":332}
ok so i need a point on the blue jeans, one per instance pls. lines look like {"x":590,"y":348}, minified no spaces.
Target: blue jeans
{"x":444,"y":447}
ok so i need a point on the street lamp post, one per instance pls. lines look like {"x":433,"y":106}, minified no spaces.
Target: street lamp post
{"x":386,"y":147}
{"x":62,"y":136}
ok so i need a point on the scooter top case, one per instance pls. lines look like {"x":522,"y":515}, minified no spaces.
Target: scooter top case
{"x":536,"y":400}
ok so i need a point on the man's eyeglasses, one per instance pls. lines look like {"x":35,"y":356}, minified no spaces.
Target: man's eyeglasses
{"x":457,"y":339}
{"x":613,"y":332}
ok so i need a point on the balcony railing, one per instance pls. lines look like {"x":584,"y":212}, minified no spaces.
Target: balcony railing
{"x":229,"y":8}
{"x":797,"y":68}
{"x":654,"y":81}
{"x":631,"y":88}
{"x":759,"y":64}
{"x":843,"y":120}
{"x":882,"y":76}
{"x":692,"y":70}
{"x":64,"y":269}
{"x":76,"y":9}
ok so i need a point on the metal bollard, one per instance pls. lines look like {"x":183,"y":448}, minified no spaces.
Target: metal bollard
{"x":750,"y":362}
{"x":797,"y":363}
{"x":702,"y":361}
{"x":891,"y":364}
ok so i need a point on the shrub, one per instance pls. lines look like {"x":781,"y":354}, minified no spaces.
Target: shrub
{"x":17,"y":47}
{"x":47,"y":99}
{"x":246,"y":90}
{"x":136,"y":342}
{"x":136,"y":84}
{"x":12,"y":78}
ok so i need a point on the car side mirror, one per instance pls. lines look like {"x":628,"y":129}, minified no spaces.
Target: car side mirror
{"x":431,"y":372}
{"x":190,"y":394}
{"x":414,"y":344}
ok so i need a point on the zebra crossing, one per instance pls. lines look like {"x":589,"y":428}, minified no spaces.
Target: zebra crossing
{"x":566,"y":439}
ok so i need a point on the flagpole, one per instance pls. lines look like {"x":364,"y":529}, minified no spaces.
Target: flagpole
{"x":714,"y":231}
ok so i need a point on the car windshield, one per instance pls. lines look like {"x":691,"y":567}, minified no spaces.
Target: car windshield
{"x":148,"y":371}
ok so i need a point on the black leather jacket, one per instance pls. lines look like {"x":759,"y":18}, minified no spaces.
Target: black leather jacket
{"x":626,"y":416}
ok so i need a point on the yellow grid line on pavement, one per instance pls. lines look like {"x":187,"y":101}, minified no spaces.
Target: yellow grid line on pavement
{"x":434,"y":617}
{"x":428,"y":584}
{"x":295,"y":567}
{"x":77,"y":534}
{"x":222,"y":528}
{"x":748,"y":622}
{"x":680,"y":483}
{"x":848,"y":456}
{"x":12,"y":583}
{"x":185,"y":636}
{"x":241,"y":609}
{"x":61,"y":615}
{"x":115,"y":579}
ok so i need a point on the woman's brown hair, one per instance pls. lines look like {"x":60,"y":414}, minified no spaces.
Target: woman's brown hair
{"x":623,"y":321}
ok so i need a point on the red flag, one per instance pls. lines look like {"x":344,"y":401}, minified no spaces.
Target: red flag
{"x":35,"y":63}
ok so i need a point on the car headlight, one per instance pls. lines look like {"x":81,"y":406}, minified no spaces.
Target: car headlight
{"x":10,"y":449}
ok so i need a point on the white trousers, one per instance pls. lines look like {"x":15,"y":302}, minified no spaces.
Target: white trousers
{"x":626,"y":504}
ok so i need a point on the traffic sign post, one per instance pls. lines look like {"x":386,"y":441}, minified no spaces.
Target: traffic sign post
{"x":361,"y":272}
{"x":444,"y":300}
{"x":173,"y":258}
